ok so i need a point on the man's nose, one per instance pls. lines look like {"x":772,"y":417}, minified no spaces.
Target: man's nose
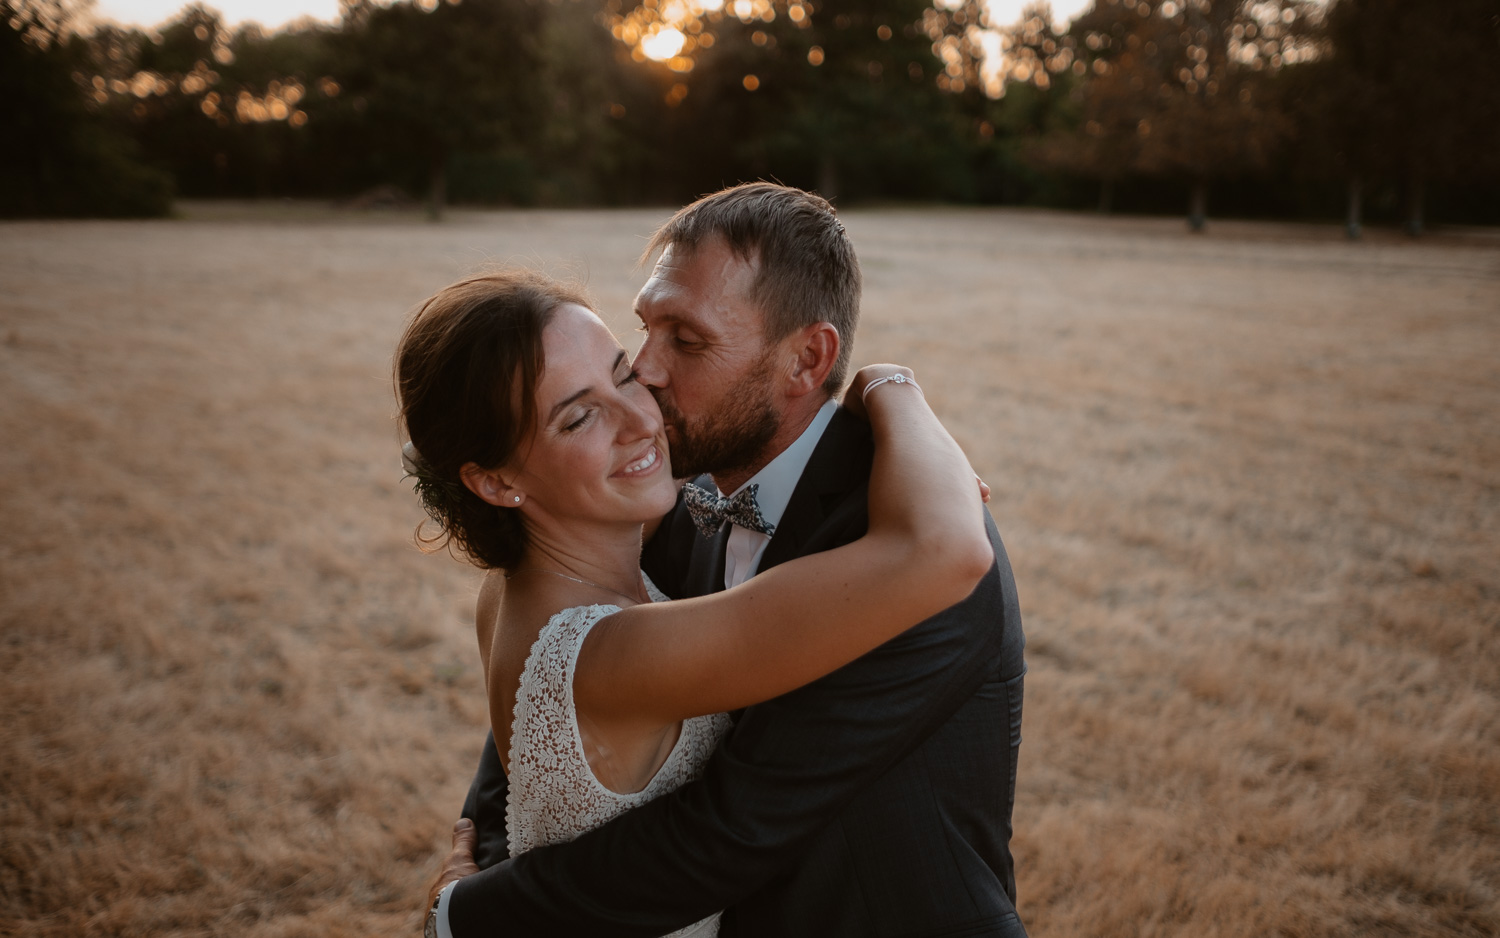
{"x":648,"y":367}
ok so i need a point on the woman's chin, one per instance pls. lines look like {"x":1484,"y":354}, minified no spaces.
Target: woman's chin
{"x":658,"y":500}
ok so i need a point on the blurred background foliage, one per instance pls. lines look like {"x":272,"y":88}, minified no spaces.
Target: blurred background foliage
{"x":1380,"y":109}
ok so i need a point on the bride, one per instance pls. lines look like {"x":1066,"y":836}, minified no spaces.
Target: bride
{"x":545,"y":462}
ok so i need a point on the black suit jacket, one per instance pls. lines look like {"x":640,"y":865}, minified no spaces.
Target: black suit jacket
{"x":874,"y":801}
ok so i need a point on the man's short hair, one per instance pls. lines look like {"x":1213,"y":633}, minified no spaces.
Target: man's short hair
{"x":808,"y":271}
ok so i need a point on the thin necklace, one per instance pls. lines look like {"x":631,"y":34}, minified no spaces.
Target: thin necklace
{"x":575,"y":579}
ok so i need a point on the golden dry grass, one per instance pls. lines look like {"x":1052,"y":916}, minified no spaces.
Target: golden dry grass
{"x":1250,"y":483}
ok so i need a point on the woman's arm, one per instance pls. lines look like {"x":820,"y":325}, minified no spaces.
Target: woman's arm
{"x":925,"y":550}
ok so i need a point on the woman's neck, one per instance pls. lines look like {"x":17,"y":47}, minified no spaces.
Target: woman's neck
{"x":607,"y":558}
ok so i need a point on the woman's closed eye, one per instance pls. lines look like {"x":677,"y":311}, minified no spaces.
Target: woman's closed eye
{"x":581,"y":422}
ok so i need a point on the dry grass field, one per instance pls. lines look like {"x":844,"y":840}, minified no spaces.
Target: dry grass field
{"x":1250,"y":483}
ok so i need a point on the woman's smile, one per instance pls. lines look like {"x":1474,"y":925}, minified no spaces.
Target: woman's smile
{"x":643,"y":465}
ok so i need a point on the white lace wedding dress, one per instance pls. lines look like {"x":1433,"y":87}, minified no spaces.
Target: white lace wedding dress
{"x":554,"y":795}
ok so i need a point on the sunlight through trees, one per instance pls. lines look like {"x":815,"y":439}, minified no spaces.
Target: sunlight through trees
{"x":1367,"y":108}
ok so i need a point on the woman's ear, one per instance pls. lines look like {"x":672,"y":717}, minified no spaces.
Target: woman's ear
{"x":489,"y":486}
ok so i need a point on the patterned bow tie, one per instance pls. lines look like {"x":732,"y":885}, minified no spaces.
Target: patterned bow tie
{"x":709,"y":511}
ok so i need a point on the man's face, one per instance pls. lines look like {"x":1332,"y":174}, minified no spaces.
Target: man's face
{"x":706,"y":358}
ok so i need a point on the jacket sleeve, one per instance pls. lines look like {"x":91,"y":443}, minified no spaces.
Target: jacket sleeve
{"x":786,"y":769}
{"x":485,"y":806}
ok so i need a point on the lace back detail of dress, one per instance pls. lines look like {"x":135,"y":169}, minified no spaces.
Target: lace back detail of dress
{"x":554,"y":795}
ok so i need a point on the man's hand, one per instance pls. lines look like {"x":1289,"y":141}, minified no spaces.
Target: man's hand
{"x":460,"y":862}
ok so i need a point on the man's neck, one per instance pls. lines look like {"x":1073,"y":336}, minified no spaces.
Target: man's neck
{"x":793,"y":423}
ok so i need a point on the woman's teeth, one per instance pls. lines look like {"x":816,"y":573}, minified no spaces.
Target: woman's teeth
{"x":644,"y":464}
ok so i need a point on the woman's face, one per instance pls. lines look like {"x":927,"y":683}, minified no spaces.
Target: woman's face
{"x":597,"y":451}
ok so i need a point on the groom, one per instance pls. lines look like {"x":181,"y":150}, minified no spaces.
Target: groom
{"x":874,"y":801}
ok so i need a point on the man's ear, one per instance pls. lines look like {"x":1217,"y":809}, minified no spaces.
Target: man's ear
{"x":489,"y":486}
{"x":816,"y":351}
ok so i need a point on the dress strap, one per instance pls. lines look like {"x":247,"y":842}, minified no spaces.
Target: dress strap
{"x":549,"y":776}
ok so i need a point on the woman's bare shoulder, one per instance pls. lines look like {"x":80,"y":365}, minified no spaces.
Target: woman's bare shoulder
{"x":487,"y":608}
{"x":507,"y":618}
{"x":510,"y":615}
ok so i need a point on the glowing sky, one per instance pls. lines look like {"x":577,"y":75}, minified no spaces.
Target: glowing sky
{"x":274,"y":13}
{"x":268,"y":13}
{"x":1009,"y":11}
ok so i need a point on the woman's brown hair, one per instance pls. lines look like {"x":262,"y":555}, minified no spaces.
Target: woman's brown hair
{"x":466,"y":374}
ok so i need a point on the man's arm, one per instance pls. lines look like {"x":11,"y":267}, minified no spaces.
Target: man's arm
{"x":485,"y":806}
{"x":786,"y":770}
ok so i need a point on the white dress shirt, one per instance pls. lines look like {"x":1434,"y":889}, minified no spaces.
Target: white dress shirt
{"x":443,"y":930}
{"x":777,"y":481}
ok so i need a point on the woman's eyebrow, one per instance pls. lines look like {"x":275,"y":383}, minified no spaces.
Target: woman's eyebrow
{"x":570,"y":399}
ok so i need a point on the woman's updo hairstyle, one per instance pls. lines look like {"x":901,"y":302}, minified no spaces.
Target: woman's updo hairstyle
{"x":466,"y":374}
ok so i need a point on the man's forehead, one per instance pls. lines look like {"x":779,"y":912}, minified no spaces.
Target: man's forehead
{"x":691,"y":281}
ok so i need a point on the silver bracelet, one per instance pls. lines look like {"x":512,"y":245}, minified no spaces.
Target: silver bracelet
{"x":893,"y":379}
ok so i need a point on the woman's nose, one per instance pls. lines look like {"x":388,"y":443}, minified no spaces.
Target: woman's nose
{"x":642,"y":418}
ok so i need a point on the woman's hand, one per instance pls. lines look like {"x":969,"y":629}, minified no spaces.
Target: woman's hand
{"x":854,"y":398}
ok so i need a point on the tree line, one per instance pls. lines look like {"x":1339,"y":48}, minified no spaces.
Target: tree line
{"x":1385,"y":109}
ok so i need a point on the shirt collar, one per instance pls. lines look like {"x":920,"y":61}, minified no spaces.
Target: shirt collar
{"x":778,"y":480}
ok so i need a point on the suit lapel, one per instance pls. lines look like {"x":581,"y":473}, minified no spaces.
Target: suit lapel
{"x":706,"y":566}
{"x":839,"y":463}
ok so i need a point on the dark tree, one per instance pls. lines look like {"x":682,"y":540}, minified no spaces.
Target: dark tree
{"x":58,"y":157}
{"x":1404,"y":91}
{"x":1189,"y":75}
{"x":619,"y":101}
{"x":427,"y":85}
{"x":220,"y":110}
{"x":841,"y":96}
{"x":1173,"y":89}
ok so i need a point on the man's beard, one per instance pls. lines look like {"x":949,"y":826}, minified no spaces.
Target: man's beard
{"x":732,"y":436}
